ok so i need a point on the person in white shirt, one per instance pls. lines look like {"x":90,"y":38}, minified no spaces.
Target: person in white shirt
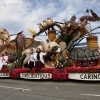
{"x":3,"y":60}
{"x":31,"y":59}
{"x":39,"y":61}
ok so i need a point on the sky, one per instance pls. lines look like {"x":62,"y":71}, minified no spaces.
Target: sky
{"x":19,"y":15}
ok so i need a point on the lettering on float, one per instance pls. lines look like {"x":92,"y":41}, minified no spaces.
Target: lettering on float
{"x":36,"y":75}
{"x":4,"y":75}
{"x":90,"y":76}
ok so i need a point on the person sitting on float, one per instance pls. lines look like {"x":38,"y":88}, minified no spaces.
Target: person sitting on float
{"x":1,"y":64}
{"x":39,"y":61}
{"x":3,"y":60}
{"x":31,"y":59}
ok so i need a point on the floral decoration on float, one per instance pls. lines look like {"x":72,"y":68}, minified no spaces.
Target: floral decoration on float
{"x":85,"y":73}
{"x":16,"y":72}
{"x":60,"y":74}
{"x":46,"y":73}
{"x":68,"y":63}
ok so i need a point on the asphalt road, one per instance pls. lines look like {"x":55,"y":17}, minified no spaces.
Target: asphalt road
{"x":12,"y":89}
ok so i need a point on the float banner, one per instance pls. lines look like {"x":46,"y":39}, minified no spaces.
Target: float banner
{"x":36,"y":75}
{"x":85,"y":76}
{"x":4,"y":75}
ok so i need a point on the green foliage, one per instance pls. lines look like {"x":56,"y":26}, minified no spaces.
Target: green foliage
{"x":20,"y":59}
{"x":67,"y":64}
{"x":66,"y":36}
{"x":18,"y":62}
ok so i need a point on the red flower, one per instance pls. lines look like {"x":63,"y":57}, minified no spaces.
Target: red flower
{"x":44,"y":70}
{"x":78,"y":70}
{"x":16,"y":72}
{"x":60,"y":74}
{"x":84,"y":69}
{"x":70,"y":69}
{"x":4,"y":70}
{"x":33,"y":71}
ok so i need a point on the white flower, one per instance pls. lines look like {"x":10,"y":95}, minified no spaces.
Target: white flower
{"x":66,"y":57}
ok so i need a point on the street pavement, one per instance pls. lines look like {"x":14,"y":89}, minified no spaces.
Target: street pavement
{"x":20,"y":89}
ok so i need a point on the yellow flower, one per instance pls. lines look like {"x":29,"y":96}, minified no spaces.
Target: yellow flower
{"x":57,"y":55}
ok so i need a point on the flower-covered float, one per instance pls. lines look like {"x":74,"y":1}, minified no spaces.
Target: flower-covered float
{"x":63,"y":59}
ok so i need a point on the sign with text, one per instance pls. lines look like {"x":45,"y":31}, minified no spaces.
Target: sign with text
{"x":85,"y":76}
{"x":36,"y":75}
{"x":4,"y":74}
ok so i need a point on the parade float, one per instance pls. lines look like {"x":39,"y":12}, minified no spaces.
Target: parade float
{"x":63,"y":59}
